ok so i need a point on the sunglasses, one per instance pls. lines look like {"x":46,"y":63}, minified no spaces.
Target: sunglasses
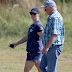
{"x":45,"y":9}
{"x":31,"y":13}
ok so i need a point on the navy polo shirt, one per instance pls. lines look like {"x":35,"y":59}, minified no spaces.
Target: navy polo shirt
{"x":34,"y":42}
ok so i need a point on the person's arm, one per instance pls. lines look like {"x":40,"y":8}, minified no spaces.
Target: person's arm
{"x":40,"y":34}
{"x":50,"y":42}
{"x":21,"y":41}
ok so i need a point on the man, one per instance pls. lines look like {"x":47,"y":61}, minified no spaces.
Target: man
{"x":34,"y":42}
{"x":53,"y":38}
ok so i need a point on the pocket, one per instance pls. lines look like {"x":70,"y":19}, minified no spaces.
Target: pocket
{"x":31,"y":53}
{"x":59,"y":50}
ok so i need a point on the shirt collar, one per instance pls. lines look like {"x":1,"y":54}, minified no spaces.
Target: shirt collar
{"x":53,"y":14}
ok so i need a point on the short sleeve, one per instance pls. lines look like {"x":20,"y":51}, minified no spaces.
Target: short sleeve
{"x":55,"y":26}
{"x":39,"y":28}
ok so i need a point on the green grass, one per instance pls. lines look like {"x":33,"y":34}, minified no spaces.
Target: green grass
{"x":13,"y":60}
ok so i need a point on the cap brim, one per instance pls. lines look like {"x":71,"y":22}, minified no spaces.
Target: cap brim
{"x":43,"y":5}
{"x":34,"y":12}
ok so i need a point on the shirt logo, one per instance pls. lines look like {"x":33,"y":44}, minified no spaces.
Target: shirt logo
{"x":31,"y":30}
{"x":41,"y":28}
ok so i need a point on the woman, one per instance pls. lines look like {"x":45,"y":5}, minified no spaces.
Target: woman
{"x":34,"y":42}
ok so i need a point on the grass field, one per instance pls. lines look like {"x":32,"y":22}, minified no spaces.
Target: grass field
{"x":13,"y":60}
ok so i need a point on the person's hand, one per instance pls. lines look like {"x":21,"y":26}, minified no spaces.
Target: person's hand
{"x":44,"y":51}
{"x":13,"y":45}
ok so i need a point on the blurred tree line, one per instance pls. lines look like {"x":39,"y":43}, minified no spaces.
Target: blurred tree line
{"x":66,"y":1}
{"x":8,"y":1}
{"x":15,"y":1}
